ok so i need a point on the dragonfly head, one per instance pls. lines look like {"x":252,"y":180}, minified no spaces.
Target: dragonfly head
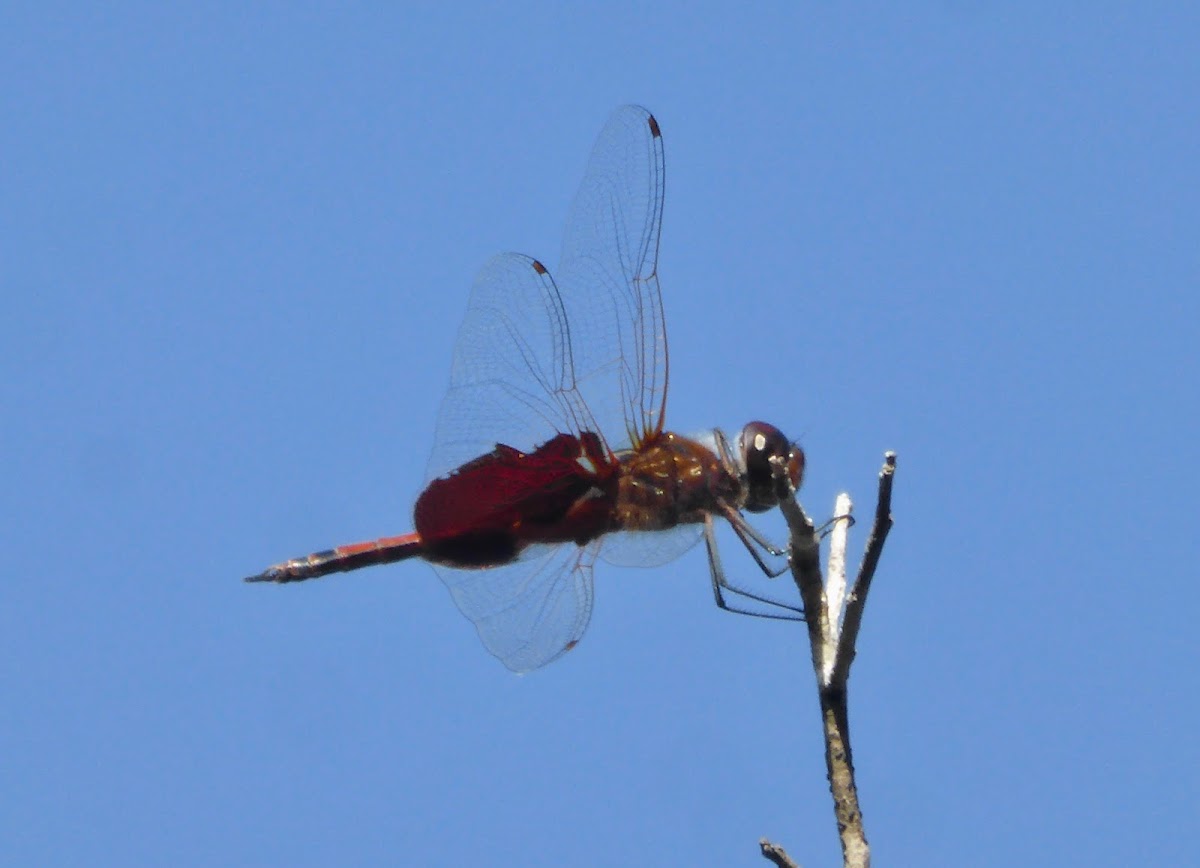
{"x":757,"y":445}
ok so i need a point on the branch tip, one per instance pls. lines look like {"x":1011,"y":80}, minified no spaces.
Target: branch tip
{"x":776,"y":854}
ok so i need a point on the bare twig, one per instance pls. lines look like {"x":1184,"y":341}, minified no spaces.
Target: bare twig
{"x":804,"y":554}
{"x":862,"y":584}
{"x":777,"y":854}
{"x":835,"y":574}
{"x":834,"y":619}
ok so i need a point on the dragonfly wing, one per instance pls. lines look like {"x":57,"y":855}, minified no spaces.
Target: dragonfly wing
{"x":511,"y":381}
{"x":535,"y":358}
{"x":531,"y":611}
{"x":631,"y":548}
{"x":609,"y":275}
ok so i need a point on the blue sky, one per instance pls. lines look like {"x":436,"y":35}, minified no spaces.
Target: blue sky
{"x":235,"y":247}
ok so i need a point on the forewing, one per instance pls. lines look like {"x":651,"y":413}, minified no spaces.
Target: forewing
{"x":609,"y":280}
{"x":633,"y":548}
{"x":531,"y":611}
{"x":535,"y":359}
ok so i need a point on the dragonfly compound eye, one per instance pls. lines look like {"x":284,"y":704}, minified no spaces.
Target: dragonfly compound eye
{"x":761,"y":442}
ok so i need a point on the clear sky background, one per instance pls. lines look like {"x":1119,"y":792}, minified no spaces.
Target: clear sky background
{"x":235,"y":245}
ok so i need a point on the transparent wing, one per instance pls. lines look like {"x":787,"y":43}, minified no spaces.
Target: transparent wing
{"x":609,"y":280}
{"x":532,"y":611}
{"x":535,"y":359}
{"x":631,"y":548}
{"x":511,"y":380}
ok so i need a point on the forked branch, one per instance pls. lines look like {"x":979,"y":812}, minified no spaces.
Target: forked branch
{"x":834,"y":620}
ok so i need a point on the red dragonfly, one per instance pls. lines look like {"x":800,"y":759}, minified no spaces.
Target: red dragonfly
{"x":550,"y":447}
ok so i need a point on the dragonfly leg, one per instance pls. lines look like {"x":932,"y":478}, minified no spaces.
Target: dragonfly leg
{"x":720,"y":584}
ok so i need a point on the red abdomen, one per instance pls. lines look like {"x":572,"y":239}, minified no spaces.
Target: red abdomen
{"x":485,"y":512}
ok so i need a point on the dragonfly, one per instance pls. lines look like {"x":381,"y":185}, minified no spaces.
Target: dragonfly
{"x":550,"y":446}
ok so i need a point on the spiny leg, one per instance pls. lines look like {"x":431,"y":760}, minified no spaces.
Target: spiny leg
{"x":720,"y":583}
